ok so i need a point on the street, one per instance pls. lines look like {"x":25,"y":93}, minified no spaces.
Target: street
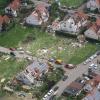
{"x":73,"y":74}
{"x":17,"y":53}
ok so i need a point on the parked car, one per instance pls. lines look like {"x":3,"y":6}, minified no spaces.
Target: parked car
{"x":95,"y":55}
{"x":87,"y":61}
{"x":56,"y":88}
{"x":50,"y":92}
{"x":70,"y":66}
{"x":98,"y":53}
{"x":64,"y":77}
{"x":89,"y":76}
{"x":93,"y":66}
{"x":12,"y":49}
{"x":86,"y":78}
{"x":45,"y":97}
{"x":59,"y":61}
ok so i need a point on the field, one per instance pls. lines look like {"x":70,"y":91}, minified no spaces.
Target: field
{"x":59,"y":47}
{"x":13,"y":37}
{"x":74,"y":3}
{"x":69,"y":54}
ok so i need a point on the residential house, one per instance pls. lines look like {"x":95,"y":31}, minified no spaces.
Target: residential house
{"x":73,"y":89}
{"x":89,"y":86}
{"x":93,"y":5}
{"x":54,"y":27}
{"x":1,"y":22}
{"x":4,"y":20}
{"x":73,"y":24}
{"x":94,"y":91}
{"x":94,"y":95}
{"x":39,"y":15}
{"x":94,"y":31}
{"x":33,"y":72}
{"x":12,"y":8}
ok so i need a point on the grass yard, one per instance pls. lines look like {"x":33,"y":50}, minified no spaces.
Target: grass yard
{"x":68,"y":53}
{"x":74,"y":3}
{"x":10,"y":67}
{"x":3,"y":4}
{"x":13,"y":37}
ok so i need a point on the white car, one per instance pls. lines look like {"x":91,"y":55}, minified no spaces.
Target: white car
{"x":94,"y":66}
{"x":92,"y":57}
{"x":95,"y":55}
{"x":84,"y":63}
{"x":45,"y":97}
{"x":87,"y":61}
{"x":50,"y":92}
{"x":86,"y":78}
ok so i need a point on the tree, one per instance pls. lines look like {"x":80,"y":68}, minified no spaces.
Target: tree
{"x":54,"y":10}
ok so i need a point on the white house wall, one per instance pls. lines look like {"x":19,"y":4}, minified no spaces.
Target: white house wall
{"x":91,"y":34}
{"x":32,"y":20}
{"x":92,"y":5}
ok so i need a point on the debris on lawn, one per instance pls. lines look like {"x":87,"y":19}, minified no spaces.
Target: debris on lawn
{"x":2,"y":80}
{"x":8,"y":89}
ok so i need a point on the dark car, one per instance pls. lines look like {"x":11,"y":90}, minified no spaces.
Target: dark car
{"x":12,"y":49}
{"x":98,"y":53}
{"x":56,"y":88}
{"x":64,"y":77}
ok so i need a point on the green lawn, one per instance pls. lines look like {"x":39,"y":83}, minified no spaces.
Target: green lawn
{"x":3,"y":4}
{"x":10,"y":67}
{"x":68,"y":54}
{"x":16,"y":35}
{"x":74,"y":3}
{"x":13,"y":37}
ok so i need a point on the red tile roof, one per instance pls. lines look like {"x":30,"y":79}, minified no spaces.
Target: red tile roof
{"x":6,"y":19}
{"x":1,"y":19}
{"x":15,"y":4}
{"x":96,"y":26}
{"x":76,"y":85}
{"x":97,"y":78}
{"x":81,"y":15}
{"x":98,"y":2}
{"x":41,"y":8}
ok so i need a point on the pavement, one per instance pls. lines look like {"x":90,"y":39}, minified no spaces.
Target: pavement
{"x":18,"y":53}
{"x":73,"y":74}
{"x":44,"y":2}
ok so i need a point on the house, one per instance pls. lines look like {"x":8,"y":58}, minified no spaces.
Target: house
{"x":33,"y":72}
{"x":12,"y":8}
{"x":39,"y":15}
{"x":54,"y":27}
{"x":73,"y":23}
{"x":93,"y":88}
{"x":92,"y":5}
{"x":89,"y":86}
{"x":94,"y":95}
{"x":1,"y":23}
{"x":73,"y":89}
{"x":94,"y":31}
{"x":4,"y":20}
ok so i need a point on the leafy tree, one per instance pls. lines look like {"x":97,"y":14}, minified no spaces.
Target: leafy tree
{"x":54,"y":10}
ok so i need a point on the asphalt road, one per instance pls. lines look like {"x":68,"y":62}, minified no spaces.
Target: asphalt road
{"x":17,"y":53}
{"x":73,"y":74}
{"x":44,"y":2}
